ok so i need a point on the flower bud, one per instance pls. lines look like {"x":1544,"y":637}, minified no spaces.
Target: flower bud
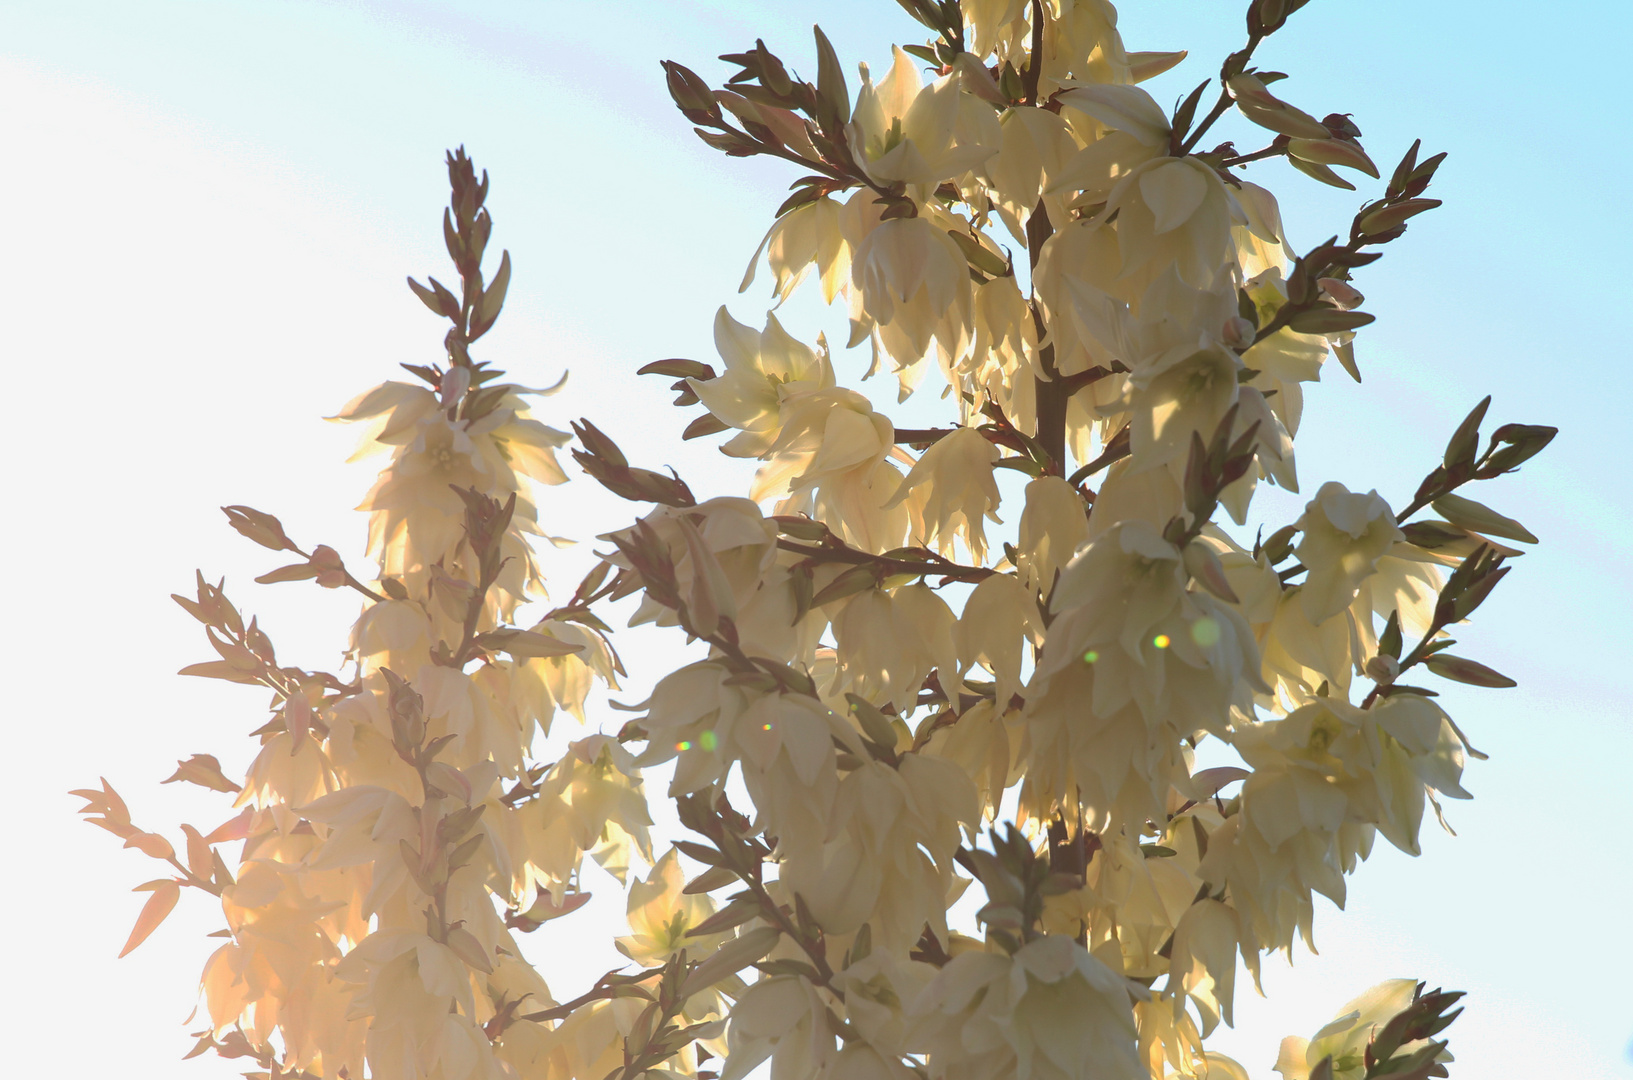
{"x":1203,"y":565}
{"x":1385,"y":218}
{"x":1383,"y":669}
{"x":1344,"y":152}
{"x":1341,"y":293}
{"x":1238,"y":333}
{"x":710,"y":596}
{"x":331,"y":571}
{"x":1268,"y":111}
{"x":298,"y":718}
{"x":449,"y":781}
{"x":455,"y":382}
{"x":978,"y":80}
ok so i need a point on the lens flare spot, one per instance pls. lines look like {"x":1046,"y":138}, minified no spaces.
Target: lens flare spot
{"x":707,"y":741}
{"x":1162,"y":641}
{"x":1090,"y":657}
{"x":765,"y":727}
{"x":1205,"y":632}
{"x":684,"y":744}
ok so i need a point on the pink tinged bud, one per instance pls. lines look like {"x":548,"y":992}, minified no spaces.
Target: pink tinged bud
{"x":1238,"y":333}
{"x":298,"y":717}
{"x":449,"y":781}
{"x":1341,"y":293}
{"x":331,"y":571}
{"x":1383,"y":669}
{"x":1203,"y":564}
{"x":978,"y":80}
{"x":455,"y":382}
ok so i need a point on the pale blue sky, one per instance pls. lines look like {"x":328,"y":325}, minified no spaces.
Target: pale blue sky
{"x":213,"y":204}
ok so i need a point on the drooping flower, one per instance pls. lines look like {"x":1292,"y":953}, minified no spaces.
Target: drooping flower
{"x":958,"y":491}
{"x":1050,"y":1012}
{"x":1344,"y":536}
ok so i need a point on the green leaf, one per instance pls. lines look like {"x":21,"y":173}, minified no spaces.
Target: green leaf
{"x":875,"y":724}
{"x":988,"y":262}
{"x":852,"y":581}
{"x":1389,"y":642}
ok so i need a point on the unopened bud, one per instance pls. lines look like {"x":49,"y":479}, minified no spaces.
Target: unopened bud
{"x":1268,"y":111}
{"x":264,"y":529}
{"x":1344,"y":152}
{"x":1341,"y":293}
{"x":978,"y":80}
{"x":691,"y":93}
{"x":455,"y":382}
{"x":331,"y":571}
{"x":1238,"y":333}
{"x":407,"y":711}
{"x":1341,"y":125}
{"x":1383,"y":669}
{"x":298,"y":718}
{"x":1389,"y":217}
{"x":1203,"y":564}
{"x":1270,"y":14}
{"x":710,"y":596}
{"x":449,"y":781}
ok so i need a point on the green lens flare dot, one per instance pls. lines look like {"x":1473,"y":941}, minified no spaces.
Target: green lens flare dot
{"x":1090,"y":657}
{"x":1205,"y":632}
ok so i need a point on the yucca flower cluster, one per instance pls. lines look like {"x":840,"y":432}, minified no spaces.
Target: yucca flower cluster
{"x":941,"y":778}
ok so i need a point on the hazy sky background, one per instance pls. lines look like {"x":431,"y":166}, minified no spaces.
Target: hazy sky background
{"x":212,"y":206}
